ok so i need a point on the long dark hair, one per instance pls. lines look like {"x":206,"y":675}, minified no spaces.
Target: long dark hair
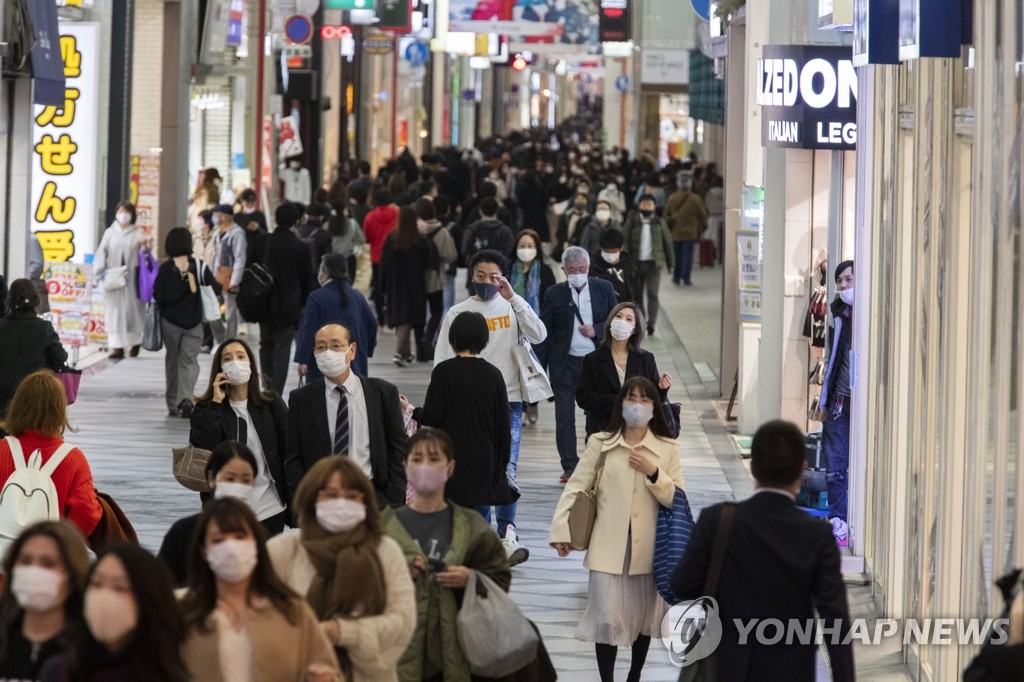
{"x":75,"y":558}
{"x":338,"y":223}
{"x":231,"y":516}
{"x":256,"y":395}
{"x":639,"y":332}
{"x":407,"y":236}
{"x":154,"y":646}
{"x":658,"y":425}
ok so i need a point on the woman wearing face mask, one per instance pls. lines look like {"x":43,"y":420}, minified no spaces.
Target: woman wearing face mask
{"x":467,"y":399}
{"x":619,"y":358}
{"x":230,"y":472}
{"x":236,"y":408}
{"x":598,"y":225}
{"x":42,"y":599}
{"x":115,"y":265}
{"x":176,"y":291}
{"x":133,"y":626}
{"x":641,"y":471}
{"x":530,"y":277}
{"x":353,"y":575}
{"x":243,"y":623}
{"x":442,"y":543}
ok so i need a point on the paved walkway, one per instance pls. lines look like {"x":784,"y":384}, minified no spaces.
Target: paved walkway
{"x":124,"y":430}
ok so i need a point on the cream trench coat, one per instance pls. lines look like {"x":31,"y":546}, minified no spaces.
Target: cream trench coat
{"x":626,"y":500}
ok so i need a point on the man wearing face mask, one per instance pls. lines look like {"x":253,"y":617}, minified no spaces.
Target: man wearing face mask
{"x":646,"y":238}
{"x":230,"y":251}
{"x":614,"y":265}
{"x":596,"y":227}
{"x":346,"y":414}
{"x":574,"y":313}
{"x":835,"y":401}
{"x":572,"y":226}
{"x":297,"y":186}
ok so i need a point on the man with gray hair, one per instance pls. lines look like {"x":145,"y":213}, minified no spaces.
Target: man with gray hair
{"x":574,"y":313}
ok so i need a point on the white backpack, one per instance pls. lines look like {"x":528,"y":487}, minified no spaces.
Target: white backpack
{"x":29,"y":495}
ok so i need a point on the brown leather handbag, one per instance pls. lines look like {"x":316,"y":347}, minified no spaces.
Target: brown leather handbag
{"x":583,"y":512}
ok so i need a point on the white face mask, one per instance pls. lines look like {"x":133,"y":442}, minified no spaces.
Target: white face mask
{"x":610,"y":257}
{"x":232,"y":560}
{"x":237,"y":491}
{"x":577,"y":281}
{"x":332,"y":363}
{"x":248,"y":209}
{"x":847,"y":296}
{"x":124,"y":218}
{"x":340,"y":515}
{"x":526,"y":255}
{"x":621,"y":330}
{"x":237,"y":371}
{"x":110,"y":615}
{"x":637,"y":414}
{"x":603,"y":215}
{"x":296,"y":164}
{"x":36,"y":588}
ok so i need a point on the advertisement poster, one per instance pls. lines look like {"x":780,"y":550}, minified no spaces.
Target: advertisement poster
{"x":70,"y":293}
{"x":569,"y":22}
{"x":749,"y":273}
{"x":65,"y":146}
{"x":148,"y":200}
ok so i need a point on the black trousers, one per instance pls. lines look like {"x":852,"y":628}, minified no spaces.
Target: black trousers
{"x":377,"y":285}
{"x":275,"y":353}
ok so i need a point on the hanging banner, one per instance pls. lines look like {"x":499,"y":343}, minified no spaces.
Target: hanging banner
{"x":65,"y":147}
{"x":70,"y":294}
{"x":235,"y":18}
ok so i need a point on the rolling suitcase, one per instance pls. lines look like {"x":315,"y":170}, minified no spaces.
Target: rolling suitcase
{"x":707,"y":253}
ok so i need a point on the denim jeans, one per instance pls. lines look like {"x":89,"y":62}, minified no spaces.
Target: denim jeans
{"x":684,"y":261}
{"x":835,"y":442}
{"x":506,"y":513}
{"x":563,"y":381}
{"x":449,"y":294}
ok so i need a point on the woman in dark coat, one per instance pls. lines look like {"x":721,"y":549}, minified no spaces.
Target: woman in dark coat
{"x":467,"y":399}
{"x":235,"y":407}
{"x":407,"y":257}
{"x":27,"y":342}
{"x":618,"y":358}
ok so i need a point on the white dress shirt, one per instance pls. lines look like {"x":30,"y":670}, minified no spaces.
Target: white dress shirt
{"x":265,"y":501}
{"x":358,"y":427}
{"x":581,"y":345}
{"x":646,"y":246}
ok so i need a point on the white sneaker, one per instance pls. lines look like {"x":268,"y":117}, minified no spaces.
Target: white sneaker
{"x":840,"y":530}
{"x":515,"y":552}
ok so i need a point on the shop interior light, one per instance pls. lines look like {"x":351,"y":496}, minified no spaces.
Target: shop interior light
{"x":519,"y":63}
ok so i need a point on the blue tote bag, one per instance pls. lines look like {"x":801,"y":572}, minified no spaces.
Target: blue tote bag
{"x":675,"y":526}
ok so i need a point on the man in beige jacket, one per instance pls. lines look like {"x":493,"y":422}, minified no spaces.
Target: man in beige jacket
{"x":687,"y":217}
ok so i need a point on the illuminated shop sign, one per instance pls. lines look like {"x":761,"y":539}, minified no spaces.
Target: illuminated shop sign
{"x":614,"y":20}
{"x":64,"y":144}
{"x":808,"y":97}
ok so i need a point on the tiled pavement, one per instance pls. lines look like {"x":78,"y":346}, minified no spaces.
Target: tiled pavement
{"x":124,"y":430}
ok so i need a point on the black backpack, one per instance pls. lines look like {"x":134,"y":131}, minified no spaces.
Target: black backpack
{"x":254,"y":293}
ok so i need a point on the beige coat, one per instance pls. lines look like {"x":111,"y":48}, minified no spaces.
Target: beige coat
{"x":626,"y":501}
{"x":280,"y":650}
{"x":374,"y":643}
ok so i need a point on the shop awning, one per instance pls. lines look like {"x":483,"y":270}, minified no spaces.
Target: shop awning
{"x":47,"y":64}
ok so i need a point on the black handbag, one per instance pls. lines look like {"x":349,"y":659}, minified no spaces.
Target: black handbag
{"x":671,"y":411}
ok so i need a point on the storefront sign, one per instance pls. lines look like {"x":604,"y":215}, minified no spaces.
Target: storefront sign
{"x":378,"y":45}
{"x":934,"y":28}
{"x":749,"y":273}
{"x":47,"y":66}
{"x":614,"y":20}
{"x":70,"y":294}
{"x":665,"y":67}
{"x":348,"y":4}
{"x":808,"y":97}
{"x":235,"y":17}
{"x":394,"y":15}
{"x":64,"y":141}
{"x":147,"y":203}
{"x":332,"y":32}
{"x":876,"y":32}
{"x":527,"y":21}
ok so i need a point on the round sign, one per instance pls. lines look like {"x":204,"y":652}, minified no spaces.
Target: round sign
{"x":702,"y":8}
{"x":298,"y":28}
{"x":622,"y":83}
{"x":417,"y":53}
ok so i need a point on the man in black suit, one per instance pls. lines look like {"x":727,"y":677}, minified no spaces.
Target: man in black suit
{"x":287,"y":258}
{"x":574,"y":313}
{"x":780,"y":563}
{"x":346,"y":414}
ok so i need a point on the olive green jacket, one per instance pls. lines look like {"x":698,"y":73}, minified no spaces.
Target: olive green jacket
{"x":661,"y":240}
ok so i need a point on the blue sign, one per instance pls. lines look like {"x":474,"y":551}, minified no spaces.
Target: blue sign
{"x":417,"y":53}
{"x":298,"y":28}
{"x":622,"y":83}
{"x":875,"y":32}
{"x":934,"y":28}
{"x":702,"y":8}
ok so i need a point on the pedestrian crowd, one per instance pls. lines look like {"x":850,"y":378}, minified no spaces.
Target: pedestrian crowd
{"x":342,"y":533}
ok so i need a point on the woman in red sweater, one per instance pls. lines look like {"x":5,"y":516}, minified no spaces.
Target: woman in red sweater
{"x":37,"y":417}
{"x":378,"y":224}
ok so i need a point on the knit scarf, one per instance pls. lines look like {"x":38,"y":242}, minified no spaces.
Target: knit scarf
{"x":528,"y":286}
{"x":349,"y":579}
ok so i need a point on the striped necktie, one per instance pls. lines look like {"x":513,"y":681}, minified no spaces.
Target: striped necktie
{"x":341,"y":426}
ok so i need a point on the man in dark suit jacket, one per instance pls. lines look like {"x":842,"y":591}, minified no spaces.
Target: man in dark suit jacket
{"x":287,"y":258}
{"x":574,"y":313}
{"x":346,"y":414}
{"x":780,"y":563}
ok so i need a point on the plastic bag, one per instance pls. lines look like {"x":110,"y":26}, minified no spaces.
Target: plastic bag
{"x":496,"y":637}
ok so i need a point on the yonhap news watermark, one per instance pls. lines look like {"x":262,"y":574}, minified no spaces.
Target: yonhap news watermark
{"x":693,"y":630}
